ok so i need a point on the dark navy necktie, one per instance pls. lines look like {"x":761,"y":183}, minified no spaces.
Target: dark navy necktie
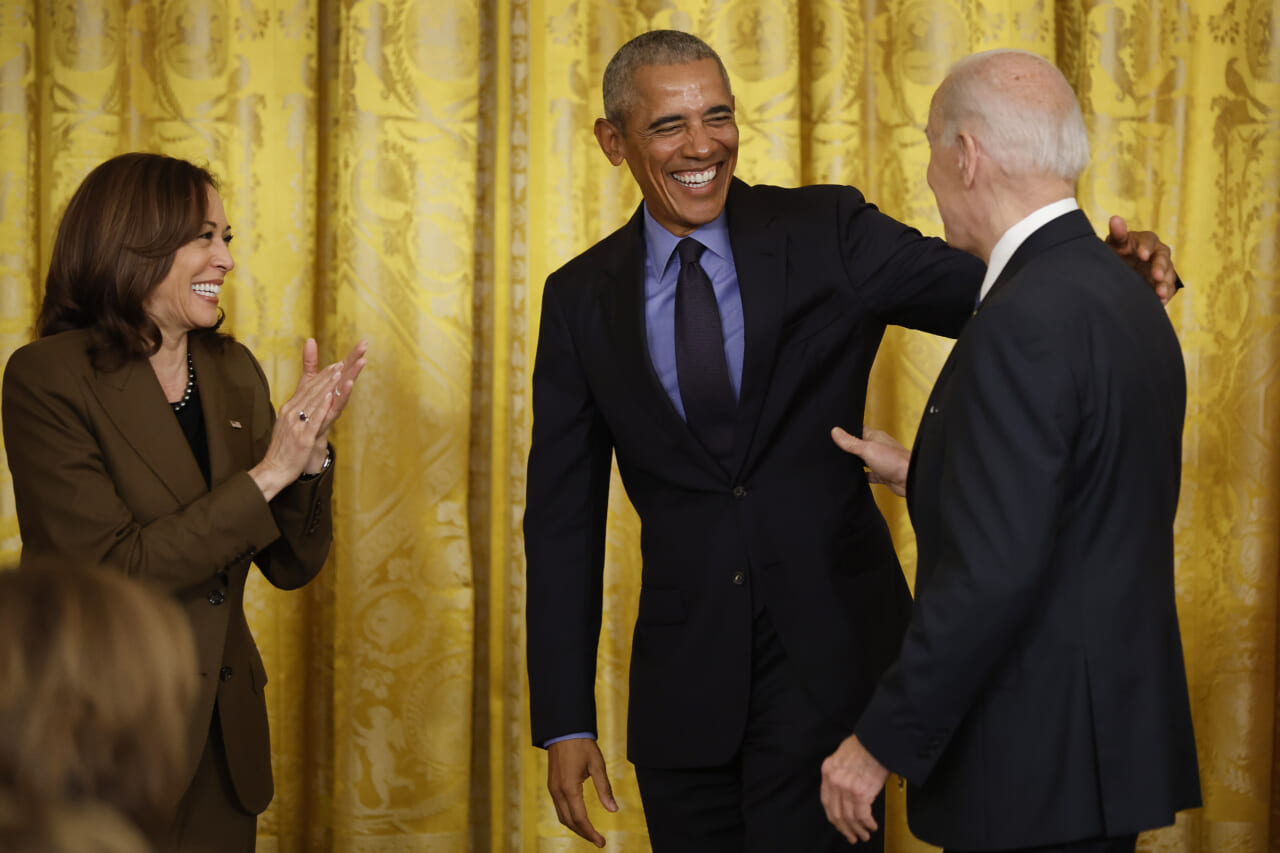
{"x":703,"y":374}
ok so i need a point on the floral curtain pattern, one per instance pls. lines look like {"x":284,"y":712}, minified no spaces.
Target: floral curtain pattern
{"x":411,"y":170}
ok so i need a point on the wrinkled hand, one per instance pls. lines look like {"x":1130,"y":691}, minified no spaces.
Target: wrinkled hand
{"x":569,"y":763}
{"x":887,"y":461}
{"x":1144,"y":251}
{"x":299,"y":444}
{"x":851,"y":780}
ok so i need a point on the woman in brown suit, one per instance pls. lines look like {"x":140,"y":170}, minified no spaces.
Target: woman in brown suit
{"x":140,"y":437}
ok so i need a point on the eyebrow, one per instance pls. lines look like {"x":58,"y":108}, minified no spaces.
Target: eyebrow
{"x":212,"y":224}
{"x":718,"y":109}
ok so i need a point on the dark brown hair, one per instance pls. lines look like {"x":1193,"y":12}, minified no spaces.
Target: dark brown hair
{"x":115,"y":244}
{"x":97,"y":683}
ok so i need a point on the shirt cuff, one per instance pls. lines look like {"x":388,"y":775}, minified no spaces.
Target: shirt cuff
{"x":587,"y":735}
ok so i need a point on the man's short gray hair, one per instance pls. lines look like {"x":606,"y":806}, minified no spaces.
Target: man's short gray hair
{"x":656,"y":47}
{"x":1025,"y":136}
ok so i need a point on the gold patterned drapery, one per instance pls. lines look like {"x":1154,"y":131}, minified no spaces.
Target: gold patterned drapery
{"x":410,"y":171}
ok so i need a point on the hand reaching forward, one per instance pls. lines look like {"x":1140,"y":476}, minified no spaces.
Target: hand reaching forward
{"x":851,"y":781}
{"x":299,"y":439}
{"x":1143,"y":251}
{"x":887,"y":461}
{"x":569,"y":763}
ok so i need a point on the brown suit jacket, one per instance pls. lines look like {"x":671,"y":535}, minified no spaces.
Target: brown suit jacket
{"x":103,"y":474}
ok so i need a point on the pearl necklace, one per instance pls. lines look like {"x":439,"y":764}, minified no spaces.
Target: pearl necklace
{"x":191,"y":383}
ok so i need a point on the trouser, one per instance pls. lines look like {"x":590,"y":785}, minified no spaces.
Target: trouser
{"x":767,"y":797}
{"x":209,"y":818}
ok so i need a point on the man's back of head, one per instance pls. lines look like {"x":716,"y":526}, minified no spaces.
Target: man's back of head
{"x":1021,"y":108}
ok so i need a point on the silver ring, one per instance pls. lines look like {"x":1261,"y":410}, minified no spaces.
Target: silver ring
{"x":302,"y":416}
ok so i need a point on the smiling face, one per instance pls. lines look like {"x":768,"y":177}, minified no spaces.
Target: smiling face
{"x":680,"y":142}
{"x":187,"y":298}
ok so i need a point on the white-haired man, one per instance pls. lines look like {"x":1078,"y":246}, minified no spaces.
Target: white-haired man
{"x":1039,"y":701}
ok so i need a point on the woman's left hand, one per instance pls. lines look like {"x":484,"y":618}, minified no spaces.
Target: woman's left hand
{"x":346,"y":372}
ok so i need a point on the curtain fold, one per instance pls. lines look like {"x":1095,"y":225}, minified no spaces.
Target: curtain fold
{"x":410,"y":171}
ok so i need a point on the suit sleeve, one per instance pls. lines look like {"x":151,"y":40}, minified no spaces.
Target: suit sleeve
{"x":564,"y":531}
{"x":301,"y":511}
{"x":902,"y":276}
{"x":69,"y":505}
{"x":1004,"y":455}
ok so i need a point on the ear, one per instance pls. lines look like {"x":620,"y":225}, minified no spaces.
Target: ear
{"x":610,"y":139}
{"x":966,"y":148}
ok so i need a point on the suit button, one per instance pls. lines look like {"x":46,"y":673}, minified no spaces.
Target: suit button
{"x":739,"y":491}
{"x":216,"y":597}
{"x":224,"y":674}
{"x":739,"y":578}
{"x":250,"y":554}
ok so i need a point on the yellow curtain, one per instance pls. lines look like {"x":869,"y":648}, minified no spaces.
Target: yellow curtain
{"x":411,"y":170}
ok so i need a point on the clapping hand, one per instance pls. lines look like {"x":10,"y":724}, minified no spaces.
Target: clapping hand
{"x":299,"y":439}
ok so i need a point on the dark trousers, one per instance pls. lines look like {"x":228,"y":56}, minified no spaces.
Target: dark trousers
{"x":209,"y":818}
{"x":767,"y":798}
{"x":1123,"y":844}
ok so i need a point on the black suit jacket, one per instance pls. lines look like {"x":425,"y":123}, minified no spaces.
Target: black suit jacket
{"x":1040,"y":696}
{"x":102,"y":474}
{"x":790,"y":525}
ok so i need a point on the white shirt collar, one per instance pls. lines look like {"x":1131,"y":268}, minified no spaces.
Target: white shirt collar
{"x":1017,"y":235}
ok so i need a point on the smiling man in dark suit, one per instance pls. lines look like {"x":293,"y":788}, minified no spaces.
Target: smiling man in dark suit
{"x":1040,"y":700}
{"x":711,"y":343}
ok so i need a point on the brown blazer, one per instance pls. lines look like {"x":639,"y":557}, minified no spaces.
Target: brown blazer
{"x":103,"y":474}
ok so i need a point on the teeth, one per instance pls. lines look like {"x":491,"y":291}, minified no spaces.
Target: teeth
{"x":696,"y":179}
{"x":210,"y":290}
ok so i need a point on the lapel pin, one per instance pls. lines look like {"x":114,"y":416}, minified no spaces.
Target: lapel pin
{"x":236,"y":425}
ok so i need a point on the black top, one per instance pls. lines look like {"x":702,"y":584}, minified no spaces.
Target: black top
{"x":191,"y":419}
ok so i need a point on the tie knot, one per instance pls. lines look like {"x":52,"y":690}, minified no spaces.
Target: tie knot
{"x":689,"y":250}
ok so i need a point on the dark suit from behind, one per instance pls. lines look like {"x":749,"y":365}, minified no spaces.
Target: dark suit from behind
{"x":1040,"y":696}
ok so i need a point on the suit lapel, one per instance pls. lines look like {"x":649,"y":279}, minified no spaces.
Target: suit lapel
{"x":228,"y":424}
{"x":623,"y":303}
{"x":759,"y":256}
{"x":759,"y":259}
{"x":622,"y":299}
{"x":132,"y":399}
{"x":931,"y":411}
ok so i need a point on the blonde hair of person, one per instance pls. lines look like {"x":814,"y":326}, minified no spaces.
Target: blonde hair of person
{"x":97,"y":682}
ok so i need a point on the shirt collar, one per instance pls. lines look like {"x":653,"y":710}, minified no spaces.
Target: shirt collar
{"x":1017,"y":235}
{"x":660,"y":244}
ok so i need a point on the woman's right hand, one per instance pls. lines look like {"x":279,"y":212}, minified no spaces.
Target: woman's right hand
{"x":302,"y":424}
